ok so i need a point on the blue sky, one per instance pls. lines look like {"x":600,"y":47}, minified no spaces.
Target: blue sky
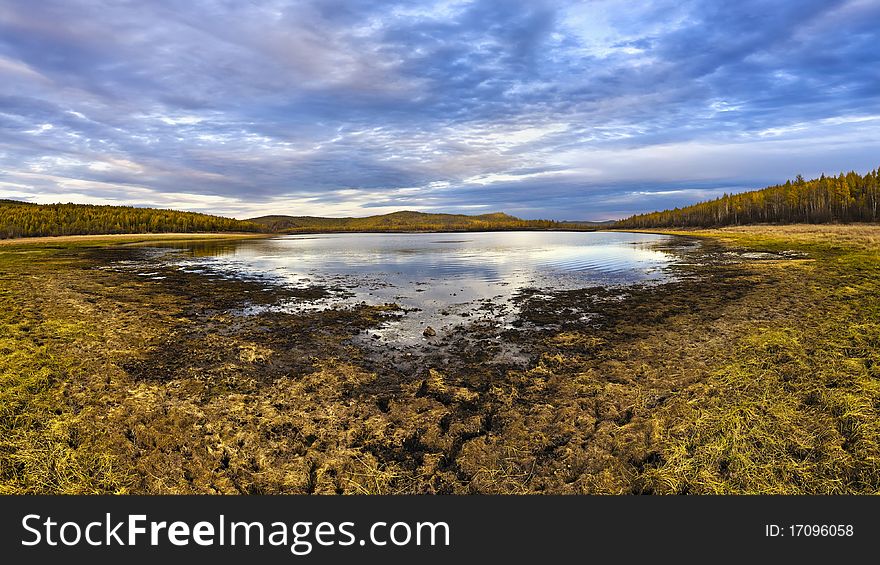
{"x":564,"y":110}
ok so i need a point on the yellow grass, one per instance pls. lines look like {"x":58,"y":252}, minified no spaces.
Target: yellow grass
{"x":756,"y":376}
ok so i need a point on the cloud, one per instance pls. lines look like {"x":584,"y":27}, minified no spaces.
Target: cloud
{"x":578,"y":110}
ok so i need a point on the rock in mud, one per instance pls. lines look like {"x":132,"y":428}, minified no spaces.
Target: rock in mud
{"x":429,"y":332}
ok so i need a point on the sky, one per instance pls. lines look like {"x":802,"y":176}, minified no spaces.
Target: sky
{"x":585,"y":110}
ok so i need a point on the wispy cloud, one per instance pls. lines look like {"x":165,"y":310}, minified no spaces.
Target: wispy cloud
{"x":545,"y":109}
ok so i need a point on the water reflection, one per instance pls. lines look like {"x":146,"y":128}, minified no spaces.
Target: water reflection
{"x":197,"y":248}
{"x":441,"y":276}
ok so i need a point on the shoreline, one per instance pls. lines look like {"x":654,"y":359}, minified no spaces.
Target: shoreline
{"x":143,"y":237}
{"x":129,"y":238}
{"x":680,"y":231}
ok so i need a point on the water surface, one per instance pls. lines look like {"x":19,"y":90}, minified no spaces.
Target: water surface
{"x":442,"y":280}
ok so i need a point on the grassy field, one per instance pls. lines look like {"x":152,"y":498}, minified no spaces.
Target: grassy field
{"x":792,"y":406}
{"x":749,"y":374}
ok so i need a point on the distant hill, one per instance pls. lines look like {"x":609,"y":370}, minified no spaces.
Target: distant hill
{"x":402,"y":221}
{"x":23,"y":219}
{"x":847,"y":197}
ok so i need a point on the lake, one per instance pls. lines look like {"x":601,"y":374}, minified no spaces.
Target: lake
{"x":440,"y":279}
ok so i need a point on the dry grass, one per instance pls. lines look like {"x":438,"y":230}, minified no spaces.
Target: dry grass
{"x":760,"y":376}
{"x":794,"y":409}
{"x":863,"y":236}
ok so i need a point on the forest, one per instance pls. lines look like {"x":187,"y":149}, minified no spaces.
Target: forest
{"x":845,"y":198}
{"x":23,"y":219}
{"x":403,"y":221}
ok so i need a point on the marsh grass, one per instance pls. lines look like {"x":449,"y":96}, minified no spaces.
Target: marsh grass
{"x":752,"y":376}
{"x":795,"y":409}
{"x":40,"y":429}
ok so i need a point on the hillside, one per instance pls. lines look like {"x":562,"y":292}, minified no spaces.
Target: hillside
{"x":587,"y":224}
{"x":23,"y":219}
{"x":845,"y":198}
{"x":401,"y":221}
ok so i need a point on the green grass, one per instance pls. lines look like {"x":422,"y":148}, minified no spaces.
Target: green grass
{"x":796,"y":409}
{"x":40,"y":431}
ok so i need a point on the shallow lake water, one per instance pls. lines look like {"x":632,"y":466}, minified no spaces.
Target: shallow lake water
{"x":443,"y":280}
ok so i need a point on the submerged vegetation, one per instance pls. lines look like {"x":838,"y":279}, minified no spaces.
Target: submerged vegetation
{"x":403,"y":221}
{"x":755,"y":371}
{"x":846,"y":198}
{"x":23,"y":219}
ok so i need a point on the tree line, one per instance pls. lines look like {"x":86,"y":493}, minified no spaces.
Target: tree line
{"x":23,"y":219}
{"x":845,"y":198}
